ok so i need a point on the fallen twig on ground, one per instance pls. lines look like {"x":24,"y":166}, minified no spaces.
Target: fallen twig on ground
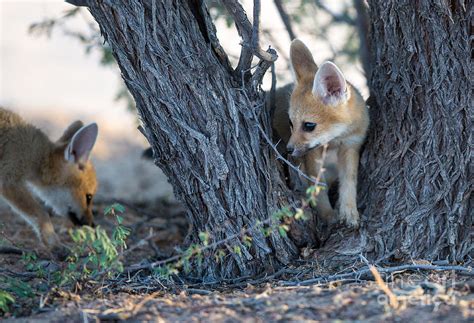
{"x":11,"y":250}
{"x":365,"y":270}
{"x":383,"y":286}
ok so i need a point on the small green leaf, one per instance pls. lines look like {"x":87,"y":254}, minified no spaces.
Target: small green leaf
{"x":237,"y":250}
{"x":204,"y":237}
{"x":219,"y":255}
{"x":282,"y":232}
{"x":247,"y":241}
{"x":5,"y":300}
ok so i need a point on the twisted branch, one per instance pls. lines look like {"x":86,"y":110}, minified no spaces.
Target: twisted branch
{"x":249,"y":34}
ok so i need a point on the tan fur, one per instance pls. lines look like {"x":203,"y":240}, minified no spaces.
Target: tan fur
{"x":342,"y":126}
{"x":29,"y":163}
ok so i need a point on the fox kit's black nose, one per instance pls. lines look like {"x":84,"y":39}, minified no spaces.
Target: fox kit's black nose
{"x":74,"y":219}
{"x":80,"y":221}
{"x":290,"y":149}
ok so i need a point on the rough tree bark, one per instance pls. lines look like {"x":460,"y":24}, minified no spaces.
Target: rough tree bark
{"x":202,"y":119}
{"x":415,"y":180}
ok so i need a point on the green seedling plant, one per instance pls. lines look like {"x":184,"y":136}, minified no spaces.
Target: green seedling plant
{"x":11,"y":289}
{"x":6,"y":299}
{"x":95,"y":253}
{"x":30,"y":260}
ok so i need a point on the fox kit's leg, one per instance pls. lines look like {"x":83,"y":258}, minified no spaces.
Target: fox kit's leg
{"x":23,"y":203}
{"x":348,"y":163}
{"x":313,"y":163}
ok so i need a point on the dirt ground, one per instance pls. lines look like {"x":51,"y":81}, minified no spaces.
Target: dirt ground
{"x":424,"y":296}
{"x":259,"y":304}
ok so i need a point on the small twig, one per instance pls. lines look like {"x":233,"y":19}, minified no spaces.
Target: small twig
{"x":285,"y":18}
{"x":25,"y":275}
{"x":272,"y":105}
{"x":393,"y":300}
{"x":6,"y":237}
{"x":198,"y":291}
{"x":286,"y":161}
{"x":262,"y":68}
{"x":321,"y":163}
{"x":365,"y":270}
{"x":11,"y":250}
{"x":335,"y":17}
{"x":140,"y":243}
{"x":179,"y":256}
{"x":244,"y":28}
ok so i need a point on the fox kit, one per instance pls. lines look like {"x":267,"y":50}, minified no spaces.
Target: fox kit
{"x":323,"y":109}
{"x":58,"y":173}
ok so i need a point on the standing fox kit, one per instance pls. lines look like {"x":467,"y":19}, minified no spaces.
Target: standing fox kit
{"x":58,"y":173}
{"x":323,"y":109}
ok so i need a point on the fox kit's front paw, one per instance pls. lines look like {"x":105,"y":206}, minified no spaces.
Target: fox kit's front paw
{"x":350,"y":216}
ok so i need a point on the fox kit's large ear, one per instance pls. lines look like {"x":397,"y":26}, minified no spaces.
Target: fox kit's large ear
{"x":82,"y":142}
{"x":330,"y":85}
{"x":70,"y":131}
{"x":302,"y":62}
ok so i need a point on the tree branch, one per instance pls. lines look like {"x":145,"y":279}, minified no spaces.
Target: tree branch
{"x":249,"y":34}
{"x":244,"y":29}
{"x":268,"y":55}
{"x":285,"y":18}
{"x":262,"y":68}
{"x":366,"y":270}
{"x":335,"y":16}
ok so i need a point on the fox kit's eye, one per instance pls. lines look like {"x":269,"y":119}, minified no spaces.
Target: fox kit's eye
{"x":309,"y":126}
{"x":88,"y":199}
{"x":291,"y":124}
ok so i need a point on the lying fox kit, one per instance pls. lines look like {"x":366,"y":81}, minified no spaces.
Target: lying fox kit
{"x":58,"y":173}
{"x":323,"y":109}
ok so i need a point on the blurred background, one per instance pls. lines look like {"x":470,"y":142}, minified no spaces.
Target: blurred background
{"x":54,"y":69}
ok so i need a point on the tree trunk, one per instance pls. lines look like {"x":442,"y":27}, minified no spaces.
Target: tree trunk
{"x":415,"y":182}
{"x":203,"y":125}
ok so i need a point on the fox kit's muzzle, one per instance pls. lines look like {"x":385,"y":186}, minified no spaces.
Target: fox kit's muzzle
{"x":86,"y":219}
